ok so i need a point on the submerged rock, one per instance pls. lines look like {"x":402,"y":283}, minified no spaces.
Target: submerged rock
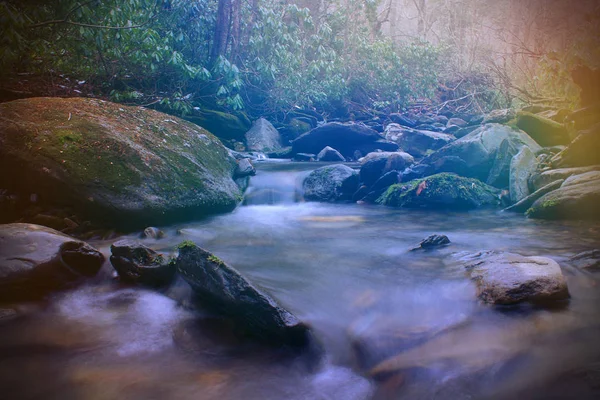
{"x":432,"y":242}
{"x":222,"y":289}
{"x":441,"y":191}
{"x":331,"y":183}
{"x":578,"y":197}
{"x":118,"y":166}
{"x":35,"y":260}
{"x":263,"y":137}
{"x":506,"y":278}
{"x":136,"y":263}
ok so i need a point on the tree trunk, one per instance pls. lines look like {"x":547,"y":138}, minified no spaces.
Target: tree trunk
{"x":221,"y":30}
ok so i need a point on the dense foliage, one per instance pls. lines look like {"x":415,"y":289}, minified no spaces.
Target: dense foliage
{"x":265,"y":56}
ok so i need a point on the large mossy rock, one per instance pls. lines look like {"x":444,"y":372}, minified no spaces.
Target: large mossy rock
{"x":263,"y":137}
{"x":117,"y":166}
{"x":330,"y":183}
{"x":35,"y":260}
{"x":478,"y":152}
{"x":442,"y":191}
{"x":222,"y":289}
{"x":506,"y":278}
{"x":577,"y":198}
{"x":544,"y":131}
{"x":418,"y":143}
{"x":541,"y":179}
{"x":221,"y":124}
{"x":344,"y":137}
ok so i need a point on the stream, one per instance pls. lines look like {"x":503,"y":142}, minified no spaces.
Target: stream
{"x":345,"y":269}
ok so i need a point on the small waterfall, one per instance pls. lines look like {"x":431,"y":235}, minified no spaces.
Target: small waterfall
{"x":277,"y":183}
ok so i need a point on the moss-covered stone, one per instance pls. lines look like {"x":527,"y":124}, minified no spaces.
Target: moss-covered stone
{"x":544,"y":131}
{"x":221,"y":124}
{"x":125,"y":167}
{"x":443,"y":191}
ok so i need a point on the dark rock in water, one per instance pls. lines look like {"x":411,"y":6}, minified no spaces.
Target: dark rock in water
{"x":588,"y":260}
{"x":388,"y":179}
{"x":506,"y":278}
{"x":452,"y":164}
{"x":499,"y":116}
{"x":330,"y":154}
{"x":379,"y":145}
{"x":499,"y":175}
{"x":263,"y":137}
{"x":479,"y":151}
{"x":522,"y":166}
{"x":114,"y":165}
{"x":375,"y":165}
{"x":583,"y":151}
{"x":403,"y":120}
{"x":528,"y":201}
{"x":35,"y":260}
{"x":415,"y":172}
{"x":539,"y":180}
{"x":441,"y":191}
{"x":244,"y":168}
{"x":577,"y":198}
{"x":136,"y":263}
{"x":153,"y":233}
{"x":224,"y":290}
{"x":543,"y":130}
{"x":286,"y":152}
{"x":416,"y":142}
{"x":360,"y":193}
{"x":345,"y":137}
{"x":432,"y":242}
{"x":304,"y":157}
{"x":330,"y":183}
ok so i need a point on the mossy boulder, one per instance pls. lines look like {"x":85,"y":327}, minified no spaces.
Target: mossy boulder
{"x":544,"y":131}
{"x":441,"y":191}
{"x":117,"y":166}
{"x":221,"y":124}
{"x":577,"y":198}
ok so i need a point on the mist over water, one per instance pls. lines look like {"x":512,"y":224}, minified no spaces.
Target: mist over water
{"x":343,"y":268}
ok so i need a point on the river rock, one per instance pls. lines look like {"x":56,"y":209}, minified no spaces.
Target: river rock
{"x":441,"y":191}
{"x":221,"y":288}
{"x":375,"y":165}
{"x":577,"y":198}
{"x":583,"y":151}
{"x":330,"y":154}
{"x":153,"y":233}
{"x":432,"y":242}
{"x":224,"y":125}
{"x":479,"y":149}
{"x":118,"y":166}
{"x":35,"y":260}
{"x":522,"y":166}
{"x":543,"y":130}
{"x":244,"y":168}
{"x":507,"y":278}
{"x":403,"y":120}
{"x":263,"y":137}
{"x":345,"y":137}
{"x":330,"y":183}
{"x":456,"y":122}
{"x":541,"y":179}
{"x":138,"y":264}
{"x":416,"y":142}
{"x":378,"y":145}
{"x":587,"y":260}
{"x":499,"y":116}
{"x":524,"y":204}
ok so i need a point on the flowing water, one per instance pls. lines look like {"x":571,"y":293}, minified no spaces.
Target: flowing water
{"x":343,"y":268}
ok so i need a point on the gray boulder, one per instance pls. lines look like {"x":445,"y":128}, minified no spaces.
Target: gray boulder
{"x":539,"y":180}
{"x":577,"y":198}
{"x":524,"y":204}
{"x":522,"y":166}
{"x":36,"y":260}
{"x":506,"y":278}
{"x":138,"y":264}
{"x":416,"y":142}
{"x":330,"y":154}
{"x":499,"y":116}
{"x":222,"y":289}
{"x":345,"y":137}
{"x":263,"y":137}
{"x":375,"y":165}
{"x":330,"y":183}
{"x":244,"y":168}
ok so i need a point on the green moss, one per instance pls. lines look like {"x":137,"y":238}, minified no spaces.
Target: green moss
{"x":65,"y":136}
{"x":186,"y":244}
{"x":216,"y":260}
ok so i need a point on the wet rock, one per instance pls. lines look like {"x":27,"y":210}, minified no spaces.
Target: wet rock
{"x":456,"y":122}
{"x":330,"y":154}
{"x":499,"y":175}
{"x":499,"y":116}
{"x":587,"y":260}
{"x":416,"y":142}
{"x":539,"y":180}
{"x":138,"y":264}
{"x":479,"y":150}
{"x":286,"y":152}
{"x":522,"y":166}
{"x":415,"y":171}
{"x":378,"y":145}
{"x":345,"y":137}
{"x":544,"y":131}
{"x":441,"y":191}
{"x":304,"y":157}
{"x":35,"y":260}
{"x":460,"y":132}
{"x":451,"y":164}
{"x":263,"y":137}
{"x":524,"y":204}
{"x":506,"y":278}
{"x":244,"y":168}
{"x":583,"y":151}
{"x":224,"y":125}
{"x":224,"y":290}
{"x":153,"y":233}
{"x":403,"y":120}
{"x":330,"y":183}
{"x":577,"y":198}
{"x":375,"y":165}
{"x":432,"y":242}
